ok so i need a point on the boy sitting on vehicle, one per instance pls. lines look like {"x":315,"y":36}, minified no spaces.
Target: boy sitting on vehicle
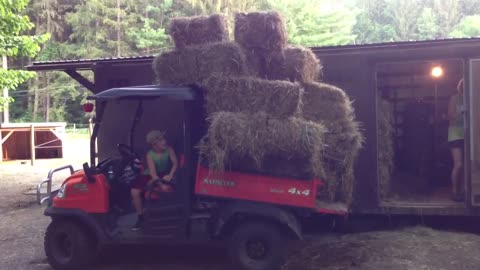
{"x":162,"y":164}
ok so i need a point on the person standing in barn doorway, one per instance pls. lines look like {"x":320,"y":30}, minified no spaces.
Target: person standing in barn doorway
{"x":456,"y":110}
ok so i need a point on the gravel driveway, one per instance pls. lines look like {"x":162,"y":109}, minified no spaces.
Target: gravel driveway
{"x":22,"y":226}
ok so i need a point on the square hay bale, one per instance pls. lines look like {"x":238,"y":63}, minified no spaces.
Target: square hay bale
{"x":176,"y":67}
{"x":264,"y":30}
{"x":260,"y":138}
{"x":224,"y":59}
{"x":324,"y":102}
{"x":260,"y":62}
{"x":188,"y":31}
{"x":279,"y":99}
{"x":294,"y":64}
{"x":256,"y":62}
{"x":196,"y":63}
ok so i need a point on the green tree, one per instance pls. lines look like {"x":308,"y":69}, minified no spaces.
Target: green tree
{"x":14,"y":43}
{"x":153,"y":18}
{"x":99,"y":28}
{"x":404,"y":17}
{"x":468,"y":27}
{"x":374,"y":22}
{"x":427,"y":27}
{"x":448,"y":13}
{"x":316,"y":22}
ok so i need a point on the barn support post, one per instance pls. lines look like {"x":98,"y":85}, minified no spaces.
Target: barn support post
{"x":32,"y":144}
{"x":3,"y":140}
{"x":1,"y":147}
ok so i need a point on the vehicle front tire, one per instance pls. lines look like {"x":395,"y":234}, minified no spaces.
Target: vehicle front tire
{"x":68,"y":245}
{"x":258,"y":246}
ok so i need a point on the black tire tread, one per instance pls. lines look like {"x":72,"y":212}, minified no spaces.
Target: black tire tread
{"x":272,"y":231}
{"x":84,"y":251}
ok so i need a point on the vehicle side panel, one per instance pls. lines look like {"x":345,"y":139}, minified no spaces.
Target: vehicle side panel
{"x":258,"y":188}
{"x":83,"y":195}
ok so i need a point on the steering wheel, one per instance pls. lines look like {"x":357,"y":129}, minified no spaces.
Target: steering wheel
{"x":103,"y":165}
{"x":126,"y":151}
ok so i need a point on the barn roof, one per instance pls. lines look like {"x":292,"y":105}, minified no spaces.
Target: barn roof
{"x":88,"y":64}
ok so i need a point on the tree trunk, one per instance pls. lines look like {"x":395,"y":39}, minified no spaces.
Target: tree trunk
{"x":146,"y":19}
{"x":47,"y":107}
{"x":35,"y":100}
{"x":47,"y":99}
{"x":119,"y":36}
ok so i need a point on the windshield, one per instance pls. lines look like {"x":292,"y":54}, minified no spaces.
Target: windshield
{"x":156,"y":114}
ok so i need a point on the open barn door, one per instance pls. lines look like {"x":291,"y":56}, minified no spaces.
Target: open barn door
{"x":474,"y":159}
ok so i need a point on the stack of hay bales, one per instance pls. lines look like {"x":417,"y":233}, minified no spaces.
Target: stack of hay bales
{"x":202,"y":50}
{"x":267,"y":112}
{"x":331,"y":106}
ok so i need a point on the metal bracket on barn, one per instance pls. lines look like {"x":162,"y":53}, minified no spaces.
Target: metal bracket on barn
{"x":81,"y":80}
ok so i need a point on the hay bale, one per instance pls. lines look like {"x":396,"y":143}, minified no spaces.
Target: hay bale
{"x":324,"y":102}
{"x":386,"y":149}
{"x":258,"y":137}
{"x":196,"y":63}
{"x":343,"y":141}
{"x":294,"y":64}
{"x":256,"y":62}
{"x":263,"y":30}
{"x":260,"y":62}
{"x":246,"y":94}
{"x":224,"y":59}
{"x":329,"y":105}
{"x":188,"y":31}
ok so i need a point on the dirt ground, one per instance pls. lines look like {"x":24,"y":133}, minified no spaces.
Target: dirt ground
{"x":22,"y":225}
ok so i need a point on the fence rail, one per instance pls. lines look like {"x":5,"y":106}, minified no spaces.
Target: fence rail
{"x":79,"y":128}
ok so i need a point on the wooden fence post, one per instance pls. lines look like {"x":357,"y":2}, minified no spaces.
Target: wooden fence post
{"x":32,"y":144}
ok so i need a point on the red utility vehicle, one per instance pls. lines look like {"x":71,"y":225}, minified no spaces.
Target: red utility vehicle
{"x":254,"y":215}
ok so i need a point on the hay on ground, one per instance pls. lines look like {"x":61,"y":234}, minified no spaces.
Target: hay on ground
{"x":246,"y":94}
{"x":264,"y":30}
{"x":294,"y":64}
{"x":188,"y":31}
{"x":233,"y":138}
{"x":196,"y":63}
{"x":386,"y":150}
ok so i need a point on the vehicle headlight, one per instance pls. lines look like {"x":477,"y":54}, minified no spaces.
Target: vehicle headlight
{"x":61,"y":192}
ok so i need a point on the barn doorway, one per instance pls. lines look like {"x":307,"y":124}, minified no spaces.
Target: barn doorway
{"x":414,"y":157}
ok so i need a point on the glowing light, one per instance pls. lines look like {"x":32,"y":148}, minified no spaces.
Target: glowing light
{"x":437,"y":72}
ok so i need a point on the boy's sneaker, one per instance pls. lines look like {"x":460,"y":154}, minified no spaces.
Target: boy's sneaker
{"x":138,"y":224}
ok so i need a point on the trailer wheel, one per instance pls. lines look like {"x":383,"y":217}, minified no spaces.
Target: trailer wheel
{"x":68,"y":245}
{"x":257,"y":246}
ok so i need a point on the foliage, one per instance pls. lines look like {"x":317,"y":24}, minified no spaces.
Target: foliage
{"x":13,"y":43}
{"x":316,"y":22}
{"x":468,"y":27}
{"x":112,"y":28}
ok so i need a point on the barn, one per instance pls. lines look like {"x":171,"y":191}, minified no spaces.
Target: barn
{"x":401,"y":93}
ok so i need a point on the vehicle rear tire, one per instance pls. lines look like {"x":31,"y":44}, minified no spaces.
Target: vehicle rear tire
{"x":257,"y":246}
{"x":68,"y":245}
